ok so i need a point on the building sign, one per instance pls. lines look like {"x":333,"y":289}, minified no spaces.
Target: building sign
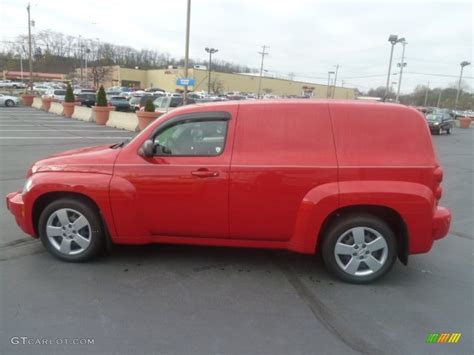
{"x":185,"y":82}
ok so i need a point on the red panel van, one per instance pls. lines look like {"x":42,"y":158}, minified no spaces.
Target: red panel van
{"x":359,"y":182}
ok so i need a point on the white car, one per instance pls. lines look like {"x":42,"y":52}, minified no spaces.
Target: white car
{"x":9,"y":101}
{"x":56,"y":94}
{"x":12,"y":84}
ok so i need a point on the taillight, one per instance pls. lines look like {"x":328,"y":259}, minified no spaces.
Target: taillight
{"x":438,"y":174}
{"x":438,"y":178}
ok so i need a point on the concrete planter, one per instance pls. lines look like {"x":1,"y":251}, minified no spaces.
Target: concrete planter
{"x":68,"y":108}
{"x":46,"y":104}
{"x":145,"y":118}
{"x":102,"y":114}
{"x":464,"y":122}
{"x":27,"y":99}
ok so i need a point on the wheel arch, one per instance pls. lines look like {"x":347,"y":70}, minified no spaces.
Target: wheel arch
{"x":387,"y":214}
{"x":45,"y":199}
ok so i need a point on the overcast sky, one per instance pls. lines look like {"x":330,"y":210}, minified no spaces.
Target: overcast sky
{"x":305,"y":37}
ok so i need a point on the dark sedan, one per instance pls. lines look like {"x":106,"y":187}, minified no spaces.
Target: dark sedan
{"x":439,"y":121}
{"x":120,"y":103}
{"x":87,"y":99}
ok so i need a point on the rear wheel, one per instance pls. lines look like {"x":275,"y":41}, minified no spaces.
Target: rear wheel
{"x":359,"y":248}
{"x":9,"y":103}
{"x":71,"y":230}
{"x":448,"y":131}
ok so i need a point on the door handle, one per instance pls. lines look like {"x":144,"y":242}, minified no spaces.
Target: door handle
{"x":203,"y":173}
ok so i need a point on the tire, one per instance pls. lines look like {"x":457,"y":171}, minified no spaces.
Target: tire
{"x":9,"y":103}
{"x":448,"y":131}
{"x":365,"y":264}
{"x":75,"y":223}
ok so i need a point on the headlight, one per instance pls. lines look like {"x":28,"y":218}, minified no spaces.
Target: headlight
{"x":28,"y":185}
{"x":436,"y":123}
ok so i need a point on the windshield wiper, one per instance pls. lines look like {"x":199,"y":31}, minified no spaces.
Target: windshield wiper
{"x":121,"y":144}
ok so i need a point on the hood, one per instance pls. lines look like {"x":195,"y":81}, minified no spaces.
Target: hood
{"x":98,"y":160}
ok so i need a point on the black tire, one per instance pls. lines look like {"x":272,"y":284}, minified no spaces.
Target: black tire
{"x":448,"y":131}
{"x":341,"y":228}
{"x":96,"y":235}
{"x":9,"y":103}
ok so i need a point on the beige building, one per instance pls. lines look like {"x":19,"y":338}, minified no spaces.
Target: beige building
{"x":223,"y":82}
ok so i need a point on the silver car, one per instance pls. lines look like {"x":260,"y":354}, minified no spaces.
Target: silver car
{"x":9,"y":101}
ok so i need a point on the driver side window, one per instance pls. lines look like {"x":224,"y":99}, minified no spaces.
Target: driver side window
{"x":188,"y":138}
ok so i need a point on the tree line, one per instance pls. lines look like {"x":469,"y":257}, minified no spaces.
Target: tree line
{"x":59,"y":53}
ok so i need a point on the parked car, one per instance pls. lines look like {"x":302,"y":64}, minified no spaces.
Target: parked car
{"x":138,"y":102}
{"x":315,"y":181}
{"x":41,"y":89}
{"x":440,"y":121}
{"x":153,"y":90}
{"x":87,"y":99}
{"x":9,"y":101}
{"x":121,"y":103}
{"x":12,"y":84}
{"x":78,"y":91}
{"x":164,"y":104}
{"x":55,"y":94}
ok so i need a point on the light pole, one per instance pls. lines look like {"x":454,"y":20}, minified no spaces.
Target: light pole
{"x":393,"y":39}
{"x":30,"y":59}
{"x":328,"y":92}
{"x":463,"y":64}
{"x":211,"y":51}
{"x":401,"y":65}
{"x":186,"y":50}
{"x":426,"y":93}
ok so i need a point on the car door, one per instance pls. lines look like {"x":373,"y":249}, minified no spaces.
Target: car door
{"x":181,"y":191}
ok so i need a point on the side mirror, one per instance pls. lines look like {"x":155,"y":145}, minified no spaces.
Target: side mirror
{"x":147,"y":149}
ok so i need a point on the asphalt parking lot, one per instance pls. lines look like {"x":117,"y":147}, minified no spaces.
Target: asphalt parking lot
{"x":202,"y":300}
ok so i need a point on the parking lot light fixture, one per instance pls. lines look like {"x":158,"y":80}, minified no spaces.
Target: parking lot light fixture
{"x":464,"y":63}
{"x":393,"y":39}
{"x":211,"y":51}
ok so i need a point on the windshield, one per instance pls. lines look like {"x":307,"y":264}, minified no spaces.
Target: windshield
{"x":434,"y":117}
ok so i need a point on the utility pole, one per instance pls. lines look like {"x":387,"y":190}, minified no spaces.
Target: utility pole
{"x":401,"y":65}
{"x":263,"y":54}
{"x":81,"y":58}
{"x":211,"y":51}
{"x":342,"y":84}
{"x":30,"y":81}
{"x":186,"y":50}
{"x":335,"y":79}
{"x":328,"y":91}
{"x":439,"y":97}
{"x":21,"y":65}
{"x":426,"y":93}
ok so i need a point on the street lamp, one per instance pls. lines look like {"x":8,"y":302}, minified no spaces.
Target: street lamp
{"x":211,"y":51}
{"x":329,"y":84}
{"x":463,"y":64}
{"x":393,"y":39}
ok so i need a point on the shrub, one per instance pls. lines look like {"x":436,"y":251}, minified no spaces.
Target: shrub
{"x":101,"y":97}
{"x":149,"y":106}
{"x":69,"y":94}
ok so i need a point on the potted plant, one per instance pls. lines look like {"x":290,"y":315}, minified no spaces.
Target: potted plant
{"x":27,"y":98}
{"x":148,"y":115}
{"x":101,"y":109}
{"x":464,"y":122}
{"x":69,"y":102}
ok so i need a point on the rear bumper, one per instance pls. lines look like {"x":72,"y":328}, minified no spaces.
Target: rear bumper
{"x":441,"y":223}
{"x":16,"y":206}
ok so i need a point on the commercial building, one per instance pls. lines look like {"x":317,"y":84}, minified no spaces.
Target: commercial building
{"x":222,"y":82}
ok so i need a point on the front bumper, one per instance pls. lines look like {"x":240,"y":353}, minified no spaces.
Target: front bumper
{"x":441,"y":223}
{"x":16,"y":206}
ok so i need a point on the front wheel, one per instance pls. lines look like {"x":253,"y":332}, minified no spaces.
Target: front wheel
{"x":359,"y":248}
{"x":9,"y":103}
{"x":71,"y":230}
